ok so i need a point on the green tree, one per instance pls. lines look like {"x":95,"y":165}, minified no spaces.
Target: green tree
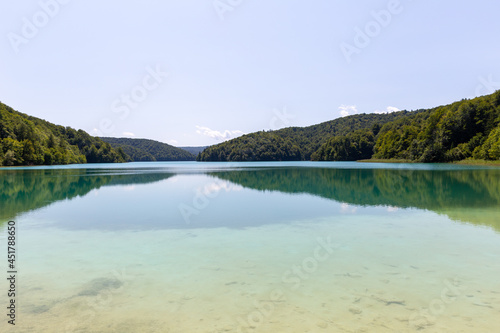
{"x":33,"y":141}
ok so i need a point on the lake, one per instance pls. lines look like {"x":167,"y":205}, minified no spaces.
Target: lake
{"x":253,"y":247}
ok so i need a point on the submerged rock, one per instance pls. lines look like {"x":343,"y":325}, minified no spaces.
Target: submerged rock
{"x":37,"y":309}
{"x":96,"y":286}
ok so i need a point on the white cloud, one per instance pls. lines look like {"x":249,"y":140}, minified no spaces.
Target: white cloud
{"x":129,"y":134}
{"x":346,"y":208}
{"x":172,"y":142}
{"x":389,"y":109}
{"x":346,"y":110}
{"x":226,"y":135}
{"x":129,"y":188}
{"x":212,"y":189}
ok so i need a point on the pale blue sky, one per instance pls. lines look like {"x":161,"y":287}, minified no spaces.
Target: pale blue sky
{"x":253,"y":65}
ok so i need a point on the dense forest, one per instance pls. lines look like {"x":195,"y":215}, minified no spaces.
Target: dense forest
{"x":293,"y":143}
{"x":26,"y":140}
{"x":465,"y":129}
{"x":141,"y":150}
{"x":469,"y":129}
{"x":354,"y":146}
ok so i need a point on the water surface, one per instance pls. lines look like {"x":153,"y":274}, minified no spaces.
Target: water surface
{"x":255,"y":247}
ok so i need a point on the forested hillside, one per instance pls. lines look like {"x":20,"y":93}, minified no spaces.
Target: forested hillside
{"x":26,"y":140}
{"x":354,"y":146}
{"x":465,"y":129}
{"x":149,"y":150}
{"x":462,"y":130}
{"x":468,"y":129}
{"x":293,"y":143}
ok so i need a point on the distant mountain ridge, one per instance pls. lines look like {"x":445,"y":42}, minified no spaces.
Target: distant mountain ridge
{"x":141,"y":150}
{"x":194,"y":150}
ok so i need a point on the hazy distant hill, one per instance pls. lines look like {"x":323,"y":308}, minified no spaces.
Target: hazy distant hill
{"x":27,"y":140}
{"x":149,"y":150}
{"x":194,"y":150}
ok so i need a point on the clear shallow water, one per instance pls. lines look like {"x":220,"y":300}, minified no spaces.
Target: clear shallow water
{"x":255,"y":247}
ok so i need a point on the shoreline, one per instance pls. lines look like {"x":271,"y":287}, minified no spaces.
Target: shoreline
{"x":377,"y":160}
{"x":462,"y":162}
{"x":478,"y":162}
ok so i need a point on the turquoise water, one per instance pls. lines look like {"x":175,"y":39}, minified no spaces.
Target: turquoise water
{"x":254,"y":247}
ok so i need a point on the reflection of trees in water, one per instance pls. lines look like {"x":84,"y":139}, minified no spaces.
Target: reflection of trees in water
{"x":461,"y":194}
{"x":25,"y":190}
{"x":440,"y":191}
